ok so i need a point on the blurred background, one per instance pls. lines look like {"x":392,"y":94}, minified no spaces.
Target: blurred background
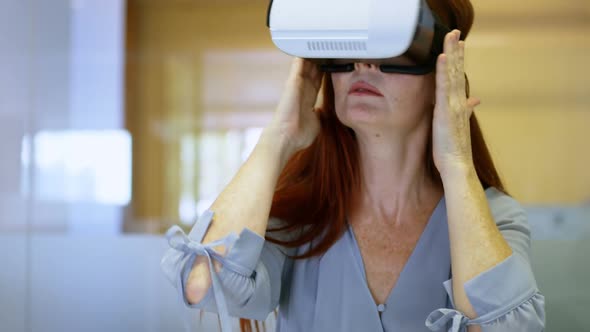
{"x":121,"y":118}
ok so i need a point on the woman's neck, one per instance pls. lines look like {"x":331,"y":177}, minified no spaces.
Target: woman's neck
{"x":395,"y":180}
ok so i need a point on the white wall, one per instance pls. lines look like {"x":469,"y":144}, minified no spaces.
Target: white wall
{"x":60,"y":69}
{"x":61,"y":64}
{"x":15,"y":108}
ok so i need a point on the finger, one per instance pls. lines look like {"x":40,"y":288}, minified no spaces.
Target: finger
{"x":305,"y":69}
{"x":296,"y":66}
{"x":314,"y":70}
{"x":460,"y":78}
{"x":473,"y":102}
{"x":451,"y":53}
{"x":441,"y":80}
{"x":449,"y":45}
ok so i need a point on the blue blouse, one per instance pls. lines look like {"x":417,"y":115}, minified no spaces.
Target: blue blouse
{"x":330,"y":292}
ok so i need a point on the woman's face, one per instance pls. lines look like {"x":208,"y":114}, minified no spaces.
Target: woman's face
{"x":402,"y":100}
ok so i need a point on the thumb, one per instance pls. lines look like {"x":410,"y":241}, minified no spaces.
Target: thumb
{"x":471,"y":104}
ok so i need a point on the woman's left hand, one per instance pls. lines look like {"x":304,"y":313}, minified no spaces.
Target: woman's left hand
{"x":450,"y":127}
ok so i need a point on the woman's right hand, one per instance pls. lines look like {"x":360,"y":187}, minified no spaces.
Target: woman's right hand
{"x":295,"y":123}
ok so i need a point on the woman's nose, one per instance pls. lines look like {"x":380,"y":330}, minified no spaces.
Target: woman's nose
{"x":365,"y":66}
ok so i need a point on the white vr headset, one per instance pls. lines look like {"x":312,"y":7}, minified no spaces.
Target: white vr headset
{"x":400,"y":36}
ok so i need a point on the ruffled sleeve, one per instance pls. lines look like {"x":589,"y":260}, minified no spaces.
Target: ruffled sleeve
{"x":248,"y":284}
{"x":505,"y":297}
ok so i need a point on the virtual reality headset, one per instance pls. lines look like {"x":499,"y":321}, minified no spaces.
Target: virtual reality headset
{"x":399,"y":36}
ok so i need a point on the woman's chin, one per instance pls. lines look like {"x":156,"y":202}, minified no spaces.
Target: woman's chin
{"x":364,"y":114}
{"x":371,"y":120}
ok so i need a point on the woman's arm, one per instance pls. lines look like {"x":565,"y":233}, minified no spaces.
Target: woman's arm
{"x":476,"y":242}
{"x":492,"y":277}
{"x":244,"y":203}
{"x":493,"y":288}
{"x":247,"y":199}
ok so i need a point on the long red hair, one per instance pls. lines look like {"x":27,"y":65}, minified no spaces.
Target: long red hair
{"x":319,"y":184}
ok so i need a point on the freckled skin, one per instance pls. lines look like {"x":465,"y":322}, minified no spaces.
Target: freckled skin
{"x":400,"y":92}
{"x":385,"y":250}
{"x":406,"y":102}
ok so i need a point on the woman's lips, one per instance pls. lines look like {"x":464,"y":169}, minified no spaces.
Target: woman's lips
{"x":362,"y":88}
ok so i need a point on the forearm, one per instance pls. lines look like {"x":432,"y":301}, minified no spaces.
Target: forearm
{"x":244,"y":203}
{"x":476,"y":242}
{"x":246,"y":200}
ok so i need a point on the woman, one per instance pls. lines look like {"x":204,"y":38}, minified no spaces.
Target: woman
{"x":387,"y":213}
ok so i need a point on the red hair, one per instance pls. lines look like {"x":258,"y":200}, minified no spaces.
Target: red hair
{"x":319,"y":184}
